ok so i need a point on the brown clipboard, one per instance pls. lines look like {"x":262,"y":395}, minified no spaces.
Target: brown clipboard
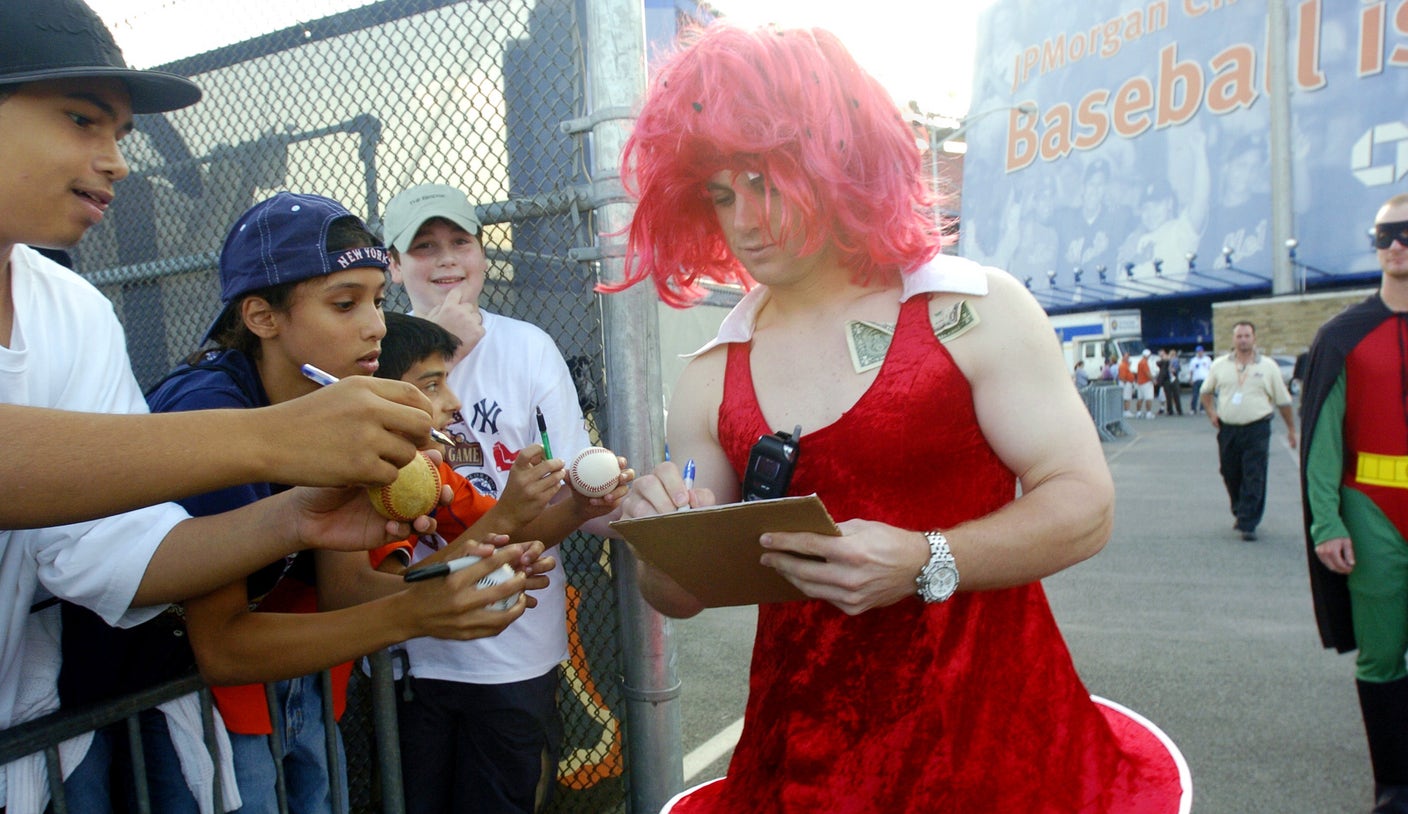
{"x":713,"y":552}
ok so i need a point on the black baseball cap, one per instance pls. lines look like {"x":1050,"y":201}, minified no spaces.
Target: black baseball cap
{"x":65,"y":39}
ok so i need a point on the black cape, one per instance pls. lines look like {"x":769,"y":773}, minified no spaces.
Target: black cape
{"x":1332,"y":346}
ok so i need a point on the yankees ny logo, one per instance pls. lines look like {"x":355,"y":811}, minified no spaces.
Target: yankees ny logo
{"x":486,"y":416}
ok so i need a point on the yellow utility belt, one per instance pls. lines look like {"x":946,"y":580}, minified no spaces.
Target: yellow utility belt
{"x":1382,"y":470}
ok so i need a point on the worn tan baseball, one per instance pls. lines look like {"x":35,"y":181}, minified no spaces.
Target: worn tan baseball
{"x":594,"y":471}
{"x":415,"y":491}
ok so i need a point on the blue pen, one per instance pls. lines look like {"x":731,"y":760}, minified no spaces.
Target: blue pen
{"x":688,"y":481}
{"x":324,"y":379}
{"x":318,"y":376}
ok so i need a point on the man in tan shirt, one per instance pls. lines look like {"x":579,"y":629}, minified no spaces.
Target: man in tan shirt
{"x":1244,"y":386}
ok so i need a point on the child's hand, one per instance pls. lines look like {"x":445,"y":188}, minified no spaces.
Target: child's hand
{"x":591,"y":507}
{"x":532,"y":483}
{"x":460,"y":317}
{"x":455,"y":607}
{"x":535,"y":564}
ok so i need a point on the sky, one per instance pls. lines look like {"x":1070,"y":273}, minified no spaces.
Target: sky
{"x":154,"y":32}
{"x":920,"y":51}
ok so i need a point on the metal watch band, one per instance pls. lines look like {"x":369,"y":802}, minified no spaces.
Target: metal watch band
{"x":938,"y":580}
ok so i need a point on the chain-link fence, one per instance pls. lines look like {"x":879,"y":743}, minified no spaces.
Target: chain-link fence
{"x":358,"y":106}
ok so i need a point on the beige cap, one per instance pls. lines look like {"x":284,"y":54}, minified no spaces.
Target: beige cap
{"x":413,"y":207}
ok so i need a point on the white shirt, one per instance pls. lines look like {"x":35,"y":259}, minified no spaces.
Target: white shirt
{"x":67,"y":351}
{"x":1198,"y":368}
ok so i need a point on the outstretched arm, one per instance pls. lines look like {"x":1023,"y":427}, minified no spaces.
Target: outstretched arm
{"x":234,"y":645}
{"x":346,"y":578}
{"x":533,"y":481}
{"x":355,"y":432}
{"x":570,"y":511}
{"x":231,"y":544}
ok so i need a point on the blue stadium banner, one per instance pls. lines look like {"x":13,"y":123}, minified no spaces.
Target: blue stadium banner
{"x":1140,"y":168}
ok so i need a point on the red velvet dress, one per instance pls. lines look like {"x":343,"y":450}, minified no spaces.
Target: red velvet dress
{"x":972,"y":705}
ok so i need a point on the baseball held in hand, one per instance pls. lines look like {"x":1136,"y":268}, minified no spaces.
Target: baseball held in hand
{"x":594,"y":472}
{"x":415,"y":491}
{"x":498,"y":576}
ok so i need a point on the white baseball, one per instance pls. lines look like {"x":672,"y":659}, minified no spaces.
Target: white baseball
{"x":498,"y":576}
{"x":594,"y":471}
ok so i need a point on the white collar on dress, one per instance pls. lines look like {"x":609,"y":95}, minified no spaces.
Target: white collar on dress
{"x":945,"y":273}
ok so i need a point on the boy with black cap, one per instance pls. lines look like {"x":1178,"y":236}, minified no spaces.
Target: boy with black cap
{"x":66,"y":99}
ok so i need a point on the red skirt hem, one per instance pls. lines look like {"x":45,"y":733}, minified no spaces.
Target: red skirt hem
{"x":1170,"y":783}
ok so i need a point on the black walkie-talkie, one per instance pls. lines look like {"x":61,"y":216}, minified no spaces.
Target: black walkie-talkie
{"x":770,"y":465}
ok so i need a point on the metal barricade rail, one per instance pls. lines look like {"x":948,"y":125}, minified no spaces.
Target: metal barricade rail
{"x":44,"y":734}
{"x":1106,"y":405}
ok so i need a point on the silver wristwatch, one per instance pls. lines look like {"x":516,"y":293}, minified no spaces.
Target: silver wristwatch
{"x":939,"y":578}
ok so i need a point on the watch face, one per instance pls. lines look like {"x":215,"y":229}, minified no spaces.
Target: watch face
{"x":940,"y":583}
{"x":939,"y":579}
{"x":943,"y":583}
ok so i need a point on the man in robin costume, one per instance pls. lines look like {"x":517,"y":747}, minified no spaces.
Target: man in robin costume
{"x":1354,"y":461}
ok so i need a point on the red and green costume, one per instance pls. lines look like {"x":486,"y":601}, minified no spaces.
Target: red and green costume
{"x":1354,"y":481}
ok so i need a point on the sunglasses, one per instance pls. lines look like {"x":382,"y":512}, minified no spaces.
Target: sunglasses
{"x":1385,"y":233}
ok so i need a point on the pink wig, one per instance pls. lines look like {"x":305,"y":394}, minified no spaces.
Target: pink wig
{"x":795,"y":106}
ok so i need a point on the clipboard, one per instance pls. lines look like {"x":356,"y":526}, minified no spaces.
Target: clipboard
{"x":713,"y":552}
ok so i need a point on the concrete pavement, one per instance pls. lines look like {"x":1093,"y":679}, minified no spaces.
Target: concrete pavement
{"x":1210,"y":637}
{"x":1214,"y":638}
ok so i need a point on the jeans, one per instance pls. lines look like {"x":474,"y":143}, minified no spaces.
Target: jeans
{"x":106,"y":773}
{"x":305,"y":756}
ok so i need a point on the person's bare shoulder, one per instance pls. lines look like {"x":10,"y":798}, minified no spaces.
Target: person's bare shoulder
{"x":1008,"y":323}
{"x":705,"y":371}
{"x":694,"y":405}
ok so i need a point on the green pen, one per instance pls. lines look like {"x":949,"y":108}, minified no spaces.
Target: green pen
{"x":543,"y":431}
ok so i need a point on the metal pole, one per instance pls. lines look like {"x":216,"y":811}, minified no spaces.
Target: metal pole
{"x":386,"y":729}
{"x":1283,"y":279}
{"x":635,"y":415}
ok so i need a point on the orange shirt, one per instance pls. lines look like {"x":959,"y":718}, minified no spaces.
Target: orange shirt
{"x":1144,"y":376}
